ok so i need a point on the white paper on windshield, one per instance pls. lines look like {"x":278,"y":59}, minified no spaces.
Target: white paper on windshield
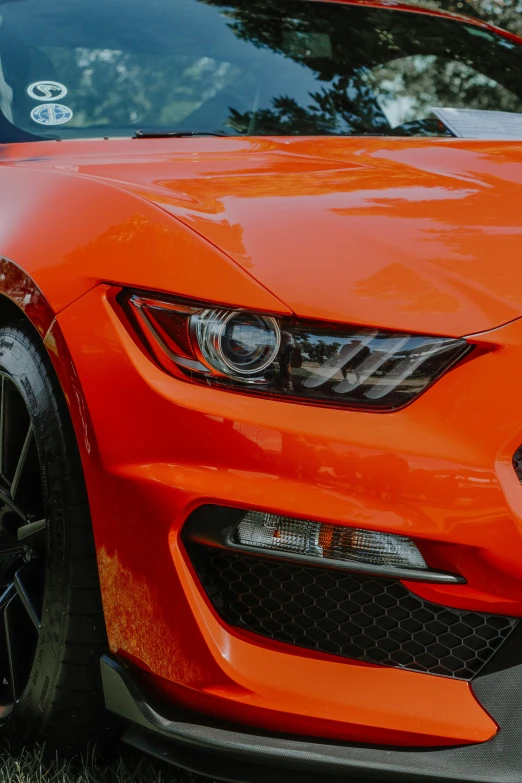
{"x":478,"y":124}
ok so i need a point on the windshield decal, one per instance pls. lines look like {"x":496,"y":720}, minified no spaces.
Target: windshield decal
{"x":47,"y":91}
{"x":51,"y":114}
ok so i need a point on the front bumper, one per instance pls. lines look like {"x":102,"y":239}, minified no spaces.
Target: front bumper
{"x":155,"y":449}
{"x":231,"y":753}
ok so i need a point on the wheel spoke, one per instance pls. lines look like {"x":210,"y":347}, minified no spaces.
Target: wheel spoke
{"x":26,"y":600}
{"x":5,"y":498}
{"x":22,"y":544}
{"x":10,"y":647}
{"x":21,"y":461}
{"x":6,"y":596}
{"x":33,"y":532}
{"x":8,"y":548}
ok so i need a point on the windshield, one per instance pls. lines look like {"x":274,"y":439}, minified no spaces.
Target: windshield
{"x":103,"y":68}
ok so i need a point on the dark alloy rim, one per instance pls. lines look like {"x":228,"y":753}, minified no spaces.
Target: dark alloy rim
{"x":22,"y":545}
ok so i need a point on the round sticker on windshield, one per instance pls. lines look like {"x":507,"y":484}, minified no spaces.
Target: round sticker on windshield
{"x":47,"y":91}
{"x":51,"y":114}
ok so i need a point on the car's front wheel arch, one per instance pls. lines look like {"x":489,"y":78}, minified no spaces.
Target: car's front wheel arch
{"x":61,"y":700}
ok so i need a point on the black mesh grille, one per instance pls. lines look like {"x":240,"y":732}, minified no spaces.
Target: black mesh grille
{"x":363,"y":618}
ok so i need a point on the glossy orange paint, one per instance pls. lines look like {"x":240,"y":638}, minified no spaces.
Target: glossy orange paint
{"x":155,"y":447}
{"x":410,"y":234}
{"x":405,"y":232}
{"x":83,"y":232}
{"x":161,"y":447}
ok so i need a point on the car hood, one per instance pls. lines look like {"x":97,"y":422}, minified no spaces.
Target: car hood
{"x":411,"y":234}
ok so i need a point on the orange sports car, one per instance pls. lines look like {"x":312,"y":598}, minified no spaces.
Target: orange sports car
{"x":260,"y":421}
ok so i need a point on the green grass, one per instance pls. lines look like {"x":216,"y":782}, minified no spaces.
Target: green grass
{"x":126,"y":767}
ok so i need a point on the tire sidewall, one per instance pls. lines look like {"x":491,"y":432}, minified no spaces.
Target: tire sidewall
{"x":33,"y":378}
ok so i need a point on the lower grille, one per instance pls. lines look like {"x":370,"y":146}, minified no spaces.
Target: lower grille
{"x":363,"y":618}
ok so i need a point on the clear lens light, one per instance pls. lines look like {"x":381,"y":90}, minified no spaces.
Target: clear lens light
{"x":237,"y":343}
{"x":328,"y":542}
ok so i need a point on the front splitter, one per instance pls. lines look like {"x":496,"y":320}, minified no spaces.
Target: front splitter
{"x":233,"y":753}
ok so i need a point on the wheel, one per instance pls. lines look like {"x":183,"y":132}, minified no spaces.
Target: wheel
{"x":51,"y":622}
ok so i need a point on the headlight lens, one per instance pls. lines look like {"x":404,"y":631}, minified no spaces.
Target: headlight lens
{"x":236,"y":343}
{"x":306,"y":361}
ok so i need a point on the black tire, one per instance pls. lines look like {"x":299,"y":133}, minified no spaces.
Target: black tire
{"x":55,"y":697}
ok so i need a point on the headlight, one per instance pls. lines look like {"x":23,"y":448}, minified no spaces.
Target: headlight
{"x":306,"y":361}
{"x":237,"y":344}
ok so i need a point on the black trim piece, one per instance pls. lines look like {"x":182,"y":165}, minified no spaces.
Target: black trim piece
{"x":218,"y":767}
{"x":214,"y":526}
{"x":240,"y":755}
{"x":166,"y":134}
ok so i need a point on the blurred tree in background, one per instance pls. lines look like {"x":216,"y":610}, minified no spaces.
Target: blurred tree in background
{"x":503,"y":13}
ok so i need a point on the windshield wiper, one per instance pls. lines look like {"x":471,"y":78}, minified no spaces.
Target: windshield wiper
{"x":164,"y":134}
